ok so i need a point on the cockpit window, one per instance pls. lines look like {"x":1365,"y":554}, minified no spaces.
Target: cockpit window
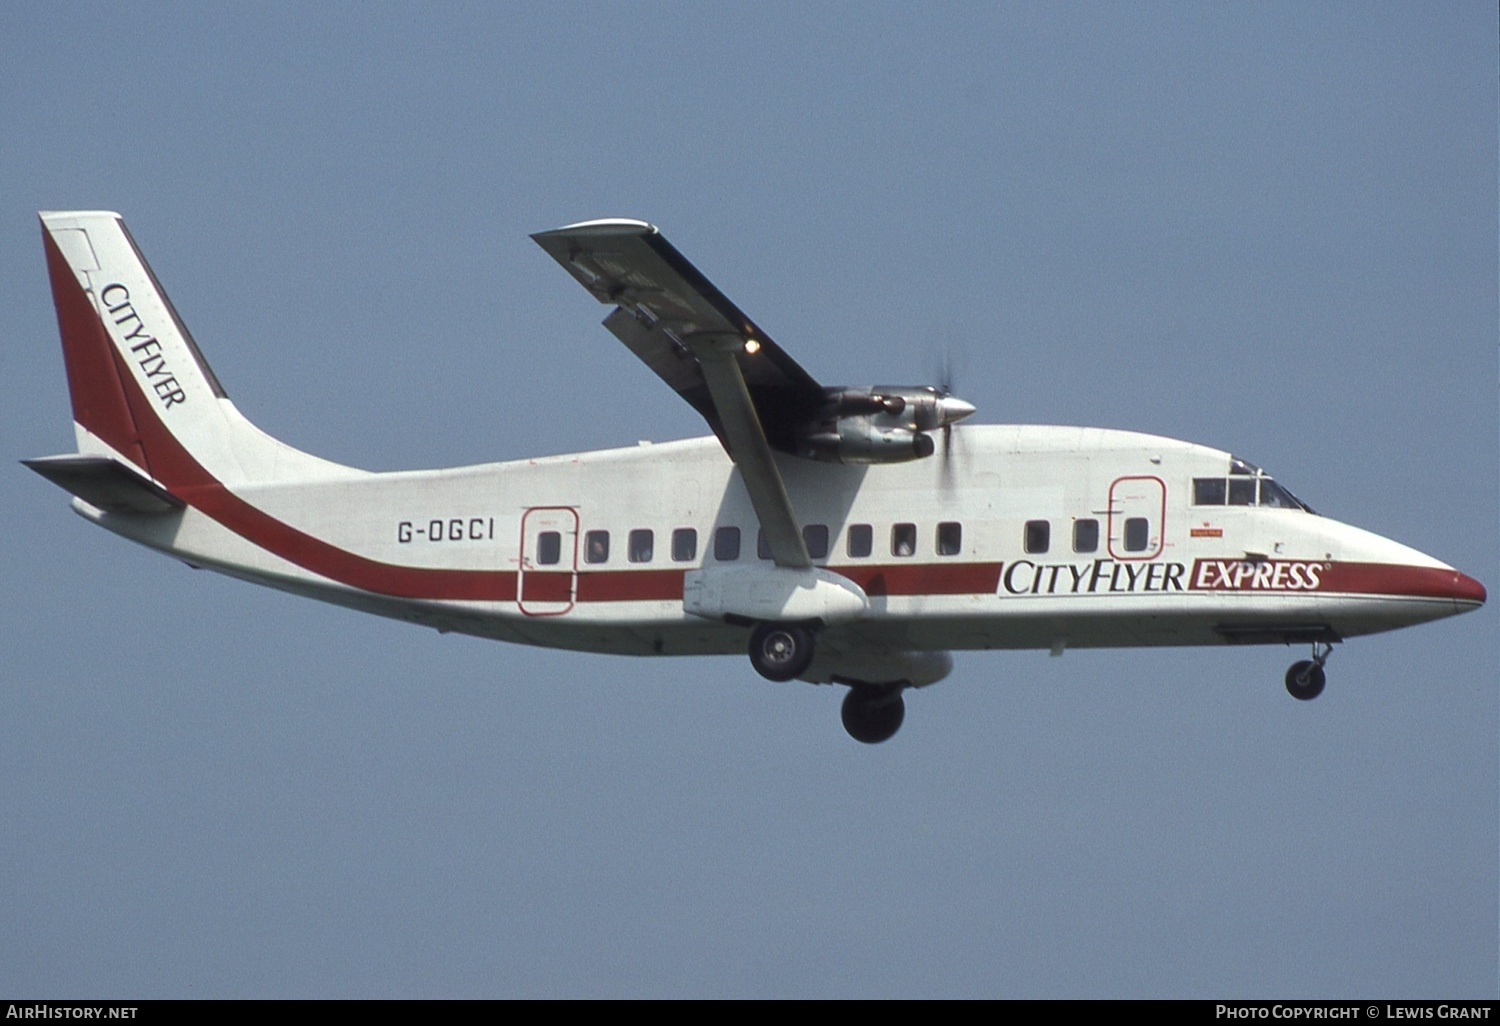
{"x":1244,"y":486}
{"x":1242,"y":491}
{"x":1272,"y":494}
{"x":1208,"y":491}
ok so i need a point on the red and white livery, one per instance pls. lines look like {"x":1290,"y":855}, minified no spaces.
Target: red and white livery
{"x":850,"y":535}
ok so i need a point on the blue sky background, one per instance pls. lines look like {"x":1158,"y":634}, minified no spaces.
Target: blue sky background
{"x":1266,"y":227}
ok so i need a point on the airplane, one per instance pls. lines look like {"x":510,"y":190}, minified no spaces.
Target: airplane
{"x":846,"y":535}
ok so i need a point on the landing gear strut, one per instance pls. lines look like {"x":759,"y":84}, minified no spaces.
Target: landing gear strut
{"x":1305,"y":678}
{"x":780,"y":651}
{"x":872,"y":714}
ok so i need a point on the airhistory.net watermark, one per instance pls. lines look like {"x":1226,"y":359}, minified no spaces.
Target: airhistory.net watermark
{"x":53,"y":1010}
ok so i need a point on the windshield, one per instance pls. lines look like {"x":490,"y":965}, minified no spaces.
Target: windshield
{"x":1244,"y":485}
{"x":1272,"y":494}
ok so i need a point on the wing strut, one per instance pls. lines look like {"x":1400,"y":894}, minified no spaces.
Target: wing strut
{"x":773,"y":507}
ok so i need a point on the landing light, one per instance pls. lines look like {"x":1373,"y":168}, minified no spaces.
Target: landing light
{"x":752,"y":346}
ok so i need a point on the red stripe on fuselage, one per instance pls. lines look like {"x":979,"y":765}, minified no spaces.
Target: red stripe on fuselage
{"x":630,"y":586}
{"x":1401,"y":581}
{"x":108,"y":402}
{"x":86,"y":341}
{"x":925,"y":578}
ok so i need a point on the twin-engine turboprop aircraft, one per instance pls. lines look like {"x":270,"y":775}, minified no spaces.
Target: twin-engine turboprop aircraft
{"x":840,"y":535}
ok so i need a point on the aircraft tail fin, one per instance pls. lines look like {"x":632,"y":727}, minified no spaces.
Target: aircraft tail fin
{"x":141,"y":390}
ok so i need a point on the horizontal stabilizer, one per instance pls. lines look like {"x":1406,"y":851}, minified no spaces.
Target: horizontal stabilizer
{"x":105,"y":483}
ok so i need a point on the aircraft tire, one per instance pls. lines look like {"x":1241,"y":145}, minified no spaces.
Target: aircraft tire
{"x":780,"y":651}
{"x":1305,"y":680}
{"x":872,"y":715}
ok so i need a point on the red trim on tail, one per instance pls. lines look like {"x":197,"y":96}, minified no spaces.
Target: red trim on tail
{"x":108,"y":402}
{"x":94,"y":372}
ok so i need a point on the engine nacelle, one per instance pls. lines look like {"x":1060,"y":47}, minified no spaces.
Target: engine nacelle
{"x":884,"y":424}
{"x":861,"y":440}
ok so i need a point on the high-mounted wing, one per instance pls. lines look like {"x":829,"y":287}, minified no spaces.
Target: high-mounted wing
{"x":666,"y":312}
{"x":751,"y":393}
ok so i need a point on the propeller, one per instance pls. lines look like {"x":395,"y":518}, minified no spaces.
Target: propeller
{"x":946,"y":371}
{"x":950,"y":411}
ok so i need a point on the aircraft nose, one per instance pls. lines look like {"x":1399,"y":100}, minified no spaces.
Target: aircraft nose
{"x":1442,"y":583}
{"x":1464,"y":588}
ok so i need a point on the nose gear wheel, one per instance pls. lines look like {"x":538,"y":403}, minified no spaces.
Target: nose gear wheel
{"x":872,"y":715}
{"x":1305,"y":678}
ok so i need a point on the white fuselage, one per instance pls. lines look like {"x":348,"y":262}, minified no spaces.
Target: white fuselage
{"x":463,"y":549}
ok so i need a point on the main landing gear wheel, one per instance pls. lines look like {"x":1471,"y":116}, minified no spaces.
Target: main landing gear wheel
{"x":872,"y":715}
{"x":1305,"y":678}
{"x":780,"y":651}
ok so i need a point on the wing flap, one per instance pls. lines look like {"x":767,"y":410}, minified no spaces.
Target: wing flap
{"x":672,"y":361}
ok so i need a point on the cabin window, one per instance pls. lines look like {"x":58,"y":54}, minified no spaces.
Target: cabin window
{"x":727,"y":544}
{"x":596,"y":547}
{"x":642,"y":542}
{"x":684,"y":545}
{"x":904,"y":540}
{"x":1242,"y":491}
{"x":762,"y":545}
{"x":1038,"y":536}
{"x":815,"y":537}
{"x":549,"y":548}
{"x":950,"y":538}
{"x":860,"y":541}
{"x":1137,"y":534}
{"x":1086,"y":535}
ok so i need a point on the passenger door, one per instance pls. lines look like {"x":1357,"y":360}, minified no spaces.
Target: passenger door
{"x":547,"y":578}
{"x":1137,"y":515}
